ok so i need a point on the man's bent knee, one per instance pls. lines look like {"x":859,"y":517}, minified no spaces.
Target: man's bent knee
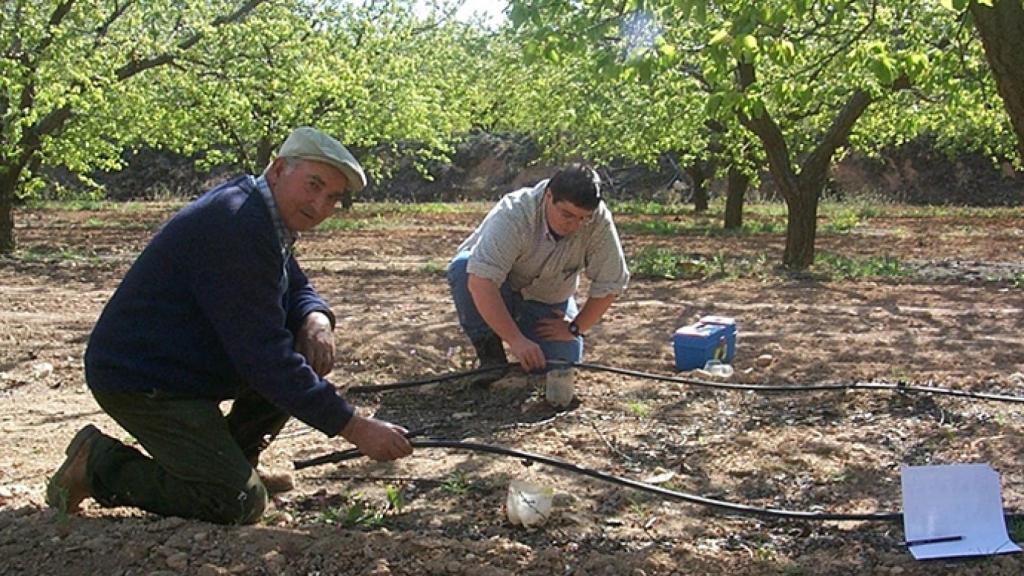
{"x":457,"y":273}
{"x":252,"y":503}
{"x":240,"y":505}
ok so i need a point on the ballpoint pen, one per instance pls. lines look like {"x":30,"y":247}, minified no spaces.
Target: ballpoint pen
{"x":936,"y":540}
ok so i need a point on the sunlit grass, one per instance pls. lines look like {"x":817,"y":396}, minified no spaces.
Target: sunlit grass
{"x":94,"y":223}
{"x":766,"y":209}
{"x":381,"y":208}
{"x":661,"y":263}
{"x":435,"y":268}
{"x":639,"y":409}
{"x":667,"y":264}
{"x":649,"y":208}
{"x":37,"y":255}
{"x":771,"y":217}
{"x":700,"y":228}
{"x":906,"y":211}
{"x":827,"y":209}
{"x":335,"y":223}
{"x":846,"y":268}
{"x":842,"y":221}
{"x":100,"y":205}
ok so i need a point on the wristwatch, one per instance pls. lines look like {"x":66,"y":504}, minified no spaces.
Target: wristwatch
{"x":574,"y":329}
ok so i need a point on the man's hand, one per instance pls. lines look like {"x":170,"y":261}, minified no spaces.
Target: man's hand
{"x":555,"y":328}
{"x":529,"y":353}
{"x":379,"y":440}
{"x":315,"y":341}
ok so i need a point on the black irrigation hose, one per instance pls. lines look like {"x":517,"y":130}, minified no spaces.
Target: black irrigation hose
{"x":899,"y":387}
{"x":424,"y":381}
{"x":352,"y":454}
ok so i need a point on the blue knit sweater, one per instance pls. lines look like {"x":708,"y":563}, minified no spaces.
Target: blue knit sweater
{"x":204,"y":309}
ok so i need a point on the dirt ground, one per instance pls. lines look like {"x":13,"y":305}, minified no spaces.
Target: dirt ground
{"x":955,"y":323}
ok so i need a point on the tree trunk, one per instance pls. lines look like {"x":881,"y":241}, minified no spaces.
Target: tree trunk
{"x":8,"y":184}
{"x":10,"y":174}
{"x":264,"y":149}
{"x":801,"y":228}
{"x":738,"y":182}
{"x":699,"y":177}
{"x":1002,"y":34}
{"x":801,"y":188}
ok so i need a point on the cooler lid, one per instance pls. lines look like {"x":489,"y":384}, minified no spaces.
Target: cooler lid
{"x":699,"y":330}
{"x":723,"y":320}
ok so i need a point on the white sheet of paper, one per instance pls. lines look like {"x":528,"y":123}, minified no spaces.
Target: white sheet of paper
{"x":954,"y":500}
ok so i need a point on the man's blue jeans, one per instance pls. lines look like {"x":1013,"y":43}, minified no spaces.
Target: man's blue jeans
{"x":526,"y":313}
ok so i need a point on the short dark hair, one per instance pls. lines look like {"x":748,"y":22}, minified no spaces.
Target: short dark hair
{"x":577,"y":183}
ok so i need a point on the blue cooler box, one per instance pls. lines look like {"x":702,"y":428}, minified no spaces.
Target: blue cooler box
{"x":730,"y":333}
{"x":706,"y":340}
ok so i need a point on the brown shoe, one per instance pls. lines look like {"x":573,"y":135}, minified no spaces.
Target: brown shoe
{"x":275,"y":482}
{"x":68,"y":486}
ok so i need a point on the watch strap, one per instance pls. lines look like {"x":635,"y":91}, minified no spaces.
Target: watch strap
{"x":574,"y":329}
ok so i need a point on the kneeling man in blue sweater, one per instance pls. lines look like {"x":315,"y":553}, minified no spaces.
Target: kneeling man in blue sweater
{"x":217,"y":308}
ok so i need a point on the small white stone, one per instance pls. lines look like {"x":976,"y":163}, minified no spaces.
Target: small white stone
{"x":42,"y":370}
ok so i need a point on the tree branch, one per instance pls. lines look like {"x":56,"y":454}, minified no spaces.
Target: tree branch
{"x":817,"y":162}
{"x":137,"y":66}
{"x":59,"y":13}
{"x":817,"y":68}
{"x":103,"y":29}
{"x":768,"y":131}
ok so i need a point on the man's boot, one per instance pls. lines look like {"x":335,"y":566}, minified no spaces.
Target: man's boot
{"x":491,"y":352}
{"x":69,"y":486}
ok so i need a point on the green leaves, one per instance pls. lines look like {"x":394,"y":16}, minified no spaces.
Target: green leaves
{"x":785,"y":51}
{"x":746,"y":48}
{"x":880,"y":63}
{"x":721,"y":37}
{"x":961,"y":5}
{"x":884,"y":69}
{"x":915,"y":64}
{"x":382,"y":72}
{"x":957,"y":5}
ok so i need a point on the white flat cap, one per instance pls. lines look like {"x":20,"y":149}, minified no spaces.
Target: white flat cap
{"x":308,"y":143}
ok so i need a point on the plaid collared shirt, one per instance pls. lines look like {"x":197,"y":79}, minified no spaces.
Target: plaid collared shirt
{"x":286,"y":237}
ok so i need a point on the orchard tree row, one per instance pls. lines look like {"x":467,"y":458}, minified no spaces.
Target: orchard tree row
{"x":82,"y":80}
{"x":782,"y":86}
{"x":729,"y":87}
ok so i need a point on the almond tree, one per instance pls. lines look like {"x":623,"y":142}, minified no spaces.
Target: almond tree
{"x":797,"y":74}
{"x":66,"y":78}
{"x":375,"y":75}
{"x":585,"y":103}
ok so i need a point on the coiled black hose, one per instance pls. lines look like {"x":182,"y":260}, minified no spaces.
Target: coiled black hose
{"x":664,"y":492}
{"x":352,"y":454}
